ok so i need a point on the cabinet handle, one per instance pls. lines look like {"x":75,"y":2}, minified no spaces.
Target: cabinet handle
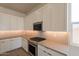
{"x":47,"y":53}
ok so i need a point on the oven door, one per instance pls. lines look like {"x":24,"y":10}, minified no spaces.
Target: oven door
{"x":32,"y":48}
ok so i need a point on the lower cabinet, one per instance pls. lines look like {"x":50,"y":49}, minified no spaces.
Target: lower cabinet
{"x":15,"y":43}
{"x":43,"y":51}
{"x":25,"y":44}
{"x":10,"y":44}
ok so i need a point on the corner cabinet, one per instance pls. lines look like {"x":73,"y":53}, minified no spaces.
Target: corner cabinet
{"x":54,"y":17}
{"x":43,"y":51}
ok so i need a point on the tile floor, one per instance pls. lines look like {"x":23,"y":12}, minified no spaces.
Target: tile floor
{"x":16,"y":52}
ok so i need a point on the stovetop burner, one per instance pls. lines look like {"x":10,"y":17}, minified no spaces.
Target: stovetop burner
{"x":37,"y":39}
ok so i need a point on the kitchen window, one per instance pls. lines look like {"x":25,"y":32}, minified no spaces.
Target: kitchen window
{"x":75,"y":32}
{"x":75,"y":23}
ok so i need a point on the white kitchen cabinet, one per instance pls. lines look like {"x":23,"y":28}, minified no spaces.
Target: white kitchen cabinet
{"x":28,"y":22}
{"x":55,"y":17}
{"x":15,"y":43}
{"x":4,"y":22}
{"x":25,"y":44}
{"x":11,"y":22}
{"x":4,"y":45}
{"x":10,"y":44}
{"x":46,"y":18}
{"x":38,"y":15}
{"x":16,"y":23}
{"x":43,"y":51}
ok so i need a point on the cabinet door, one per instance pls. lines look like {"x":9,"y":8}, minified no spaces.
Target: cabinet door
{"x":9,"y":44}
{"x":58,"y":17}
{"x":16,"y":23}
{"x":46,"y":18}
{"x":38,"y":15}
{"x":4,"y":46}
{"x":4,"y":22}
{"x":43,"y":51}
{"x":28,"y":22}
{"x":25,"y":44}
{"x":54,"y":17}
{"x":15,"y":43}
{"x":20,"y":23}
{"x":10,"y":22}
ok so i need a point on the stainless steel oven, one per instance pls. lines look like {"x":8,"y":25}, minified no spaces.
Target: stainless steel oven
{"x":32,"y":48}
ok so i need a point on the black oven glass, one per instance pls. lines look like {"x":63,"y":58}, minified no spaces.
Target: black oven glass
{"x":37,"y":26}
{"x":32,"y":49}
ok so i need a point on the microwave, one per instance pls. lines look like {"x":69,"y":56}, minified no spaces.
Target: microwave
{"x":37,"y":26}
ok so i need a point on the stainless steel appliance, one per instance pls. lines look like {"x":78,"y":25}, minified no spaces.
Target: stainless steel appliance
{"x":33,"y":47}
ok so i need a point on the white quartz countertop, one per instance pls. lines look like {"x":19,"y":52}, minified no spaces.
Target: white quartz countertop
{"x":66,"y":49}
{"x":55,"y":46}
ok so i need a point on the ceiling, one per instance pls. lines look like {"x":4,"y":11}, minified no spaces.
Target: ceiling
{"x":20,"y":7}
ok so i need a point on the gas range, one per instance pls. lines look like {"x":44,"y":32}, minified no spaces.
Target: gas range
{"x":32,"y":47}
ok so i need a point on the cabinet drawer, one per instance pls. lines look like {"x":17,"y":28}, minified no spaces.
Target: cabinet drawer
{"x":49,"y":51}
{"x":42,"y":53}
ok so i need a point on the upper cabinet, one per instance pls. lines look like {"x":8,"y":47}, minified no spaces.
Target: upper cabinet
{"x":11,"y":22}
{"x":54,"y":17}
{"x":46,"y":18}
{"x":4,"y":22}
{"x":38,"y":15}
{"x":16,"y":23}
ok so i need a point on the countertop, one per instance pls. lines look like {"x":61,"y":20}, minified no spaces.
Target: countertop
{"x":58,"y":47}
{"x":49,"y":43}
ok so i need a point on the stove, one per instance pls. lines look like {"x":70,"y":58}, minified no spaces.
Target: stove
{"x":32,"y":47}
{"x":37,"y":39}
